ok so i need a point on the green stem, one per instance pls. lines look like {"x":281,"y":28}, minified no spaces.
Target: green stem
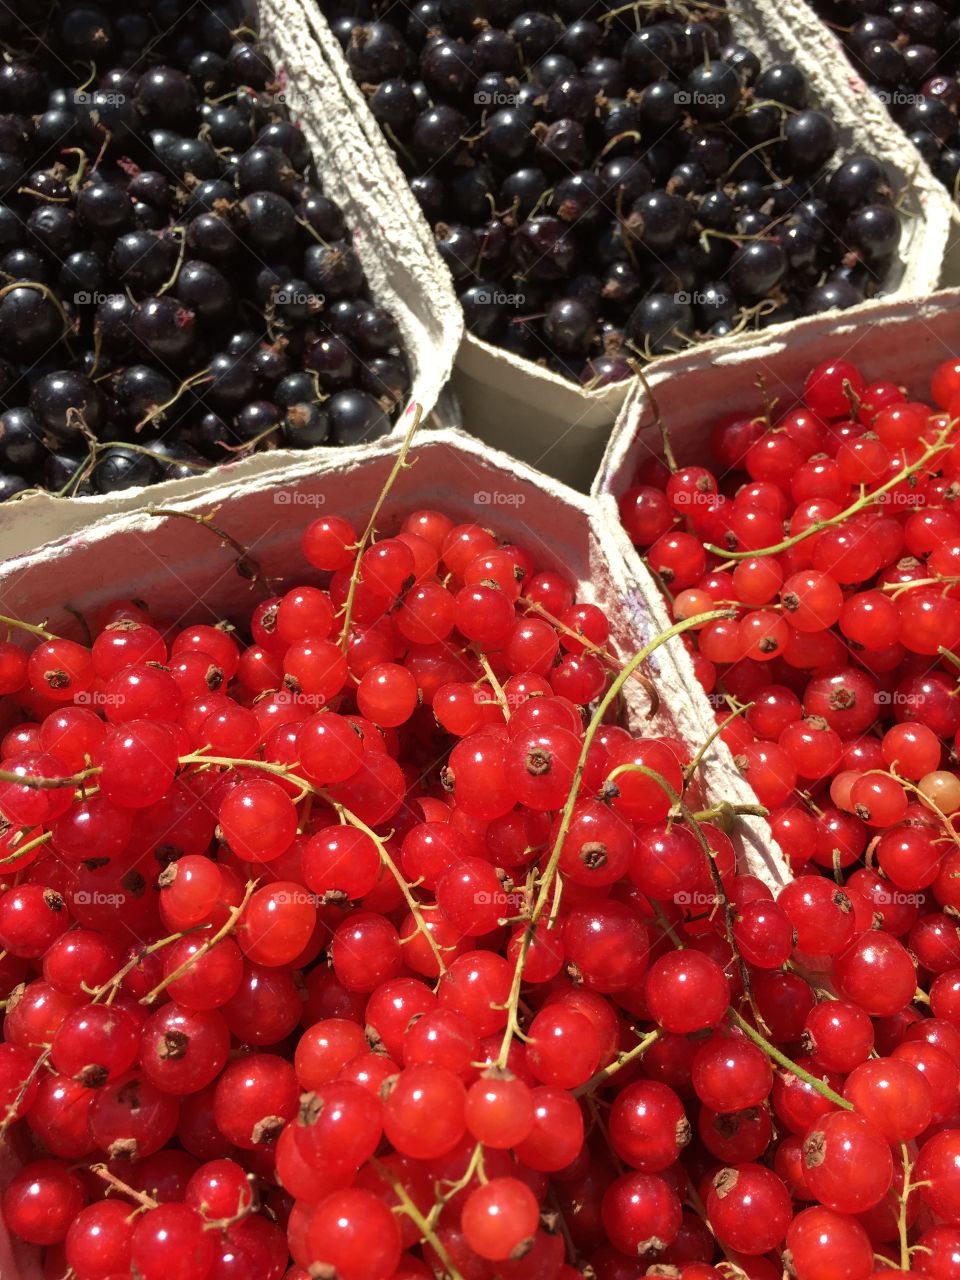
{"x":550,"y":871}
{"x":368,"y":533}
{"x":781,"y":1058}
{"x":865,"y":500}
{"x":600,"y":1078}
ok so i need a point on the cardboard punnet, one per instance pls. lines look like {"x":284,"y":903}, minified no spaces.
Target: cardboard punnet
{"x":410,"y":282}
{"x":547,"y":420}
{"x":188,"y":574}
{"x":689,"y":394}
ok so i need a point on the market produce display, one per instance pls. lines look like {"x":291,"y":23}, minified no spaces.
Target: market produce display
{"x":907,"y":53}
{"x":379,"y":899}
{"x":608,"y":182}
{"x":176,"y":288}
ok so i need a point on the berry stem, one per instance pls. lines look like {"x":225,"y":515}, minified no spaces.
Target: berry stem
{"x":40,"y":631}
{"x":246,"y":566}
{"x":227,"y":927}
{"x":691,"y":768}
{"x":369,"y":531}
{"x":534,"y":606}
{"x":26,"y":848}
{"x":494,"y":683}
{"x":550,"y":871}
{"x":924,"y":799}
{"x":141,"y":1197}
{"x":902,"y":1224}
{"x":600,"y":1078}
{"x":267,"y":766}
{"x":865,"y":500}
{"x":420,"y":1222}
{"x":351,"y":819}
{"x":107,"y":990}
{"x":781,"y":1058}
{"x":36,"y":783}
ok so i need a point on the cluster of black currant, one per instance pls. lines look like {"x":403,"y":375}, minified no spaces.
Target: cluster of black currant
{"x":175,"y":289}
{"x":909,"y":51}
{"x":606,"y":177}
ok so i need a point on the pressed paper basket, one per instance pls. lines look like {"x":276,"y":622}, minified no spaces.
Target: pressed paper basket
{"x":187,"y":573}
{"x":402,"y":275}
{"x":547,"y":420}
{"x":689,"y":394}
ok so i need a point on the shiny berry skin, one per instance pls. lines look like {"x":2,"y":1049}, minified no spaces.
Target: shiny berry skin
{"x":258,"y":820}
{"x":563,"y":1048}
{"x":686,"y":991}
{"x":138,"y":760}
{"x":847,"y":1162}
{"x":424,"y":1112}
{"x":838,"y":1034}
{"x":499,"y":1219}
{"x":338,"y":1125}
{"x":825,"y":1245}
{"x":172,"y":1236}
{"x":353,"y":1232}
{"x":821,"y":915}
{"x":828,"y":388}
{"x":876,"y":973}
{"x":96,"y":1043}
{"x":641,"y":1214}
{"x":99,"y":1239}
{"x":499,"y":1110}
{"x":183,"y":1050}
{"x":637,"y":795}
{"x":730,"y":1073}
{"x":648,"y":1126}
{"x":938,"y":1165}
{"x":60,"y":669}
{"x":557,"y":1134}
{"x":749,"y":1208}
{"x":41,"y":1201}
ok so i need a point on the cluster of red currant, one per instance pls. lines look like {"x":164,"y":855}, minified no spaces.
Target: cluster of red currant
{"x":376,"y":948}
{"x":832,"y":534}
{"x":337,"y":944}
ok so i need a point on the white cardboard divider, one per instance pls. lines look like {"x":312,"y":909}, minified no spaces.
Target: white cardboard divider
{"x":902,"y":342}
{"x":553,"y":424}
{"x":184,"y":571}
{"x":402,"y":269}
